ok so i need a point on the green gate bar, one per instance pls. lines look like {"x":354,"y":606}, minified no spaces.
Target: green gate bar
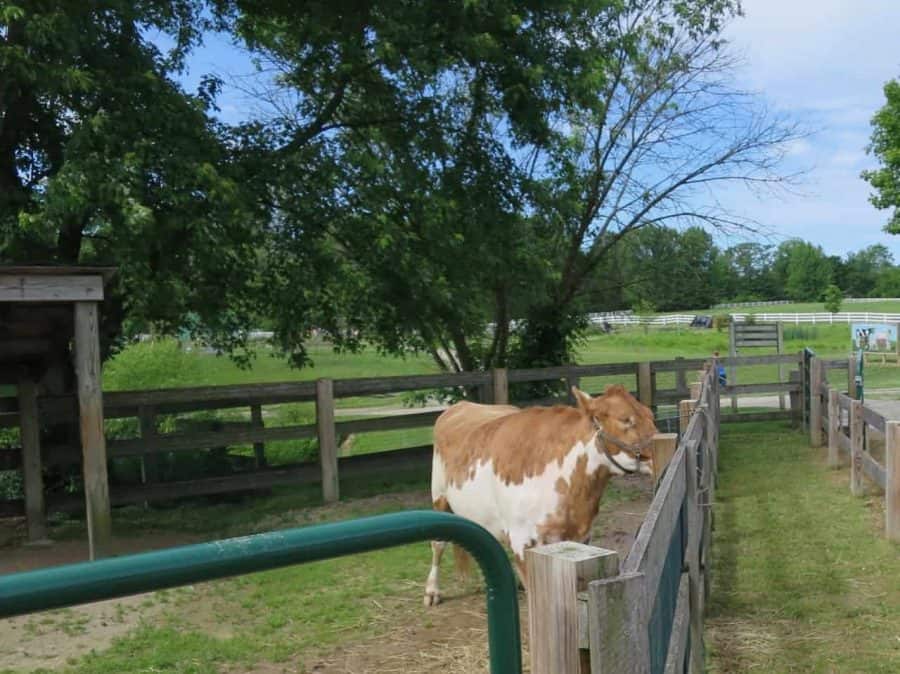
{"x":132,"y":574}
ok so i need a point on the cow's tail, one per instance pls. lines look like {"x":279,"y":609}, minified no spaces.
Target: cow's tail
{"x":462,"y":560}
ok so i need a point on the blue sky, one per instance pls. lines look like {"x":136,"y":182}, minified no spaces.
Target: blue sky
{"x":821,"y":62}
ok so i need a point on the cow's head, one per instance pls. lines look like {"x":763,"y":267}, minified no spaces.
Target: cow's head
{"x":625,"y":428}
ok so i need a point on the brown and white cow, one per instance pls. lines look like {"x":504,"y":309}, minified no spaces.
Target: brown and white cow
{"x":536,"y":475}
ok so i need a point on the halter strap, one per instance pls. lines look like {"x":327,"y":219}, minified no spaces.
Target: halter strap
{"x":633,"y":449}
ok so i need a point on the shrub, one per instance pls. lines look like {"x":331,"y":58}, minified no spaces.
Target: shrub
{"x":721,"y":321}
{"x":833,"y":298}
{"x":154,"y":364}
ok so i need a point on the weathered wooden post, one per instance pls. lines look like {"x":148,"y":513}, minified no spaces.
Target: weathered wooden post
{"x":620,"y":641}
{"x":732,"y":371}
{"x":680,"y":378}
{"x":645,"y":384}
{"x":815,"y":403}
{"x":500,"y":386}
{"x":892,"y":481}
{"x":664,"y":446}
{"x":30,"y":432}
{"x":557,"y":616}
{"x":685,"y":411}
{"x":780,"y":349}
{"x":259,"y":448}
{"x":856,"y":447}
{"x":328,"y":458}
{"x":834,"y":427}
{"x":93,"y":441}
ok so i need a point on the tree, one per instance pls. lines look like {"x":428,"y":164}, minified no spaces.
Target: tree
{"x":862,"y":269}
{"x":104,"y":159}
{"x":803,"y":270}
{"x":747,"y":273}
{"x":886,"y":148}
{"x":833,"y":298}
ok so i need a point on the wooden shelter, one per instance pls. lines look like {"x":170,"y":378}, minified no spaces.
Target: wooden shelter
{"x":46,"y":311}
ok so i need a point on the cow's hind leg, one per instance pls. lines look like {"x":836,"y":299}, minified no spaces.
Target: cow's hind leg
{"x":432,"y":590}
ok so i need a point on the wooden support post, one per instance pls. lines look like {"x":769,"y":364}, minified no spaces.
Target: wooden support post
{"x":557,"y":620}
{"x":681,"y":379}
{"x":93,"y":441}
{"x":815,"y":403}
{"x":645,"y":384}
{"x":695,"y":389}
{"x":796,"y":397}
{"x":259,"y":448}
{"x":732,"y":371}
{"x":500,"y":385}
{"x":834,"y":427}
{"x":328,"y":458}
{"x":149,"y":462}
{"x":664,"y":446}
{"x":892,"y":482}
{"x":685,"y":410}
{"x":32,"y":473}
{"x":780,"y":350}
{"x":617,"y":610}
{"x":856,"y":447}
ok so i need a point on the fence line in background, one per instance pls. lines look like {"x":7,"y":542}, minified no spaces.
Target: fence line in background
{"x":254,"y":430}
{"x":849,"y":429}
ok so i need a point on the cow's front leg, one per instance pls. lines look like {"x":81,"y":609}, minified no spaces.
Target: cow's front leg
{"x":432,"y":591}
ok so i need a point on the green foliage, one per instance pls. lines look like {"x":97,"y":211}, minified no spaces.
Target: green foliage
{"x":886,"y":148}
{"x":158,"y":363}
{"x":721,"y":321}
{"x":833,"y":298}
{"x":802,"y":269}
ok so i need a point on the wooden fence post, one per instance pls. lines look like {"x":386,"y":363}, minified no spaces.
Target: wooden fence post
{"x":815,"y":403}
{"x":645,"y":384}
{"x":780,"y":349}
{"x":32,"y":473}
{"x":620,"y":641}
{"x":328,"y":458}
{"x":834,"y":427}
{"x":259,"y":448}
{"x":681,"y":379}
{"x":557,"y":618}
{"x":93,"y":440}
{"x":500,"y":386}
{"x":892,"y":481}
{"x":856,"y":447}
{"x":685,"y":410}
{"x":149,"y":462}
{"x":664,"y":446}
{"x":732,"y":371}
{"x":851,"y":377}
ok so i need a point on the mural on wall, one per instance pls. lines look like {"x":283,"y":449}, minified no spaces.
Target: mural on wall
{"x":876,"y":337}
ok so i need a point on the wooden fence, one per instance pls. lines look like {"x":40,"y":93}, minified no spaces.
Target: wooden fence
{"x":853,"y":430}
{"x":643,"y":615}
{"x":147,"y":407}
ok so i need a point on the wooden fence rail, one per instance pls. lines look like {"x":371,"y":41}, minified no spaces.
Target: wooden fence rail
{"x":644,"y":615}
{"x":251,"y":402}
{"x":852,"y":430}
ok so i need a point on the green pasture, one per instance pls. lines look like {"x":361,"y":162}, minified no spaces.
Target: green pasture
{"x":803,"y":580}
{"x":163,"y":364}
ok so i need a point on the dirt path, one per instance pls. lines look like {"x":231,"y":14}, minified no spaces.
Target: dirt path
{"x":450,"y":638}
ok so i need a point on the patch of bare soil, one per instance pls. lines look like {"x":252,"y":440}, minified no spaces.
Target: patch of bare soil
{"x":451,"y":638}
{"x":52,"y":638}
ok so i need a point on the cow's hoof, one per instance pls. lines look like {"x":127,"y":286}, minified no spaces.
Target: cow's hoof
{"x":432,"y":599}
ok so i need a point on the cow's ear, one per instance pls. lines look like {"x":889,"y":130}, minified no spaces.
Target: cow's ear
{"x":582,"y":399}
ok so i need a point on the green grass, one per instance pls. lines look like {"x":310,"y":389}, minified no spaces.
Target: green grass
{"x":802,"y":578}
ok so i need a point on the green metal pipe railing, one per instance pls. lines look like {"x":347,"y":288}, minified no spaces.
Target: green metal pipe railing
{"x":121,"y":576}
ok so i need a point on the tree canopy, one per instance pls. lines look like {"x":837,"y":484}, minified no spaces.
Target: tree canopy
{"x":886,"y":148}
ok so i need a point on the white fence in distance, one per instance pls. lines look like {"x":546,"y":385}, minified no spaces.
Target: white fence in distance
{"x":820,"y":318}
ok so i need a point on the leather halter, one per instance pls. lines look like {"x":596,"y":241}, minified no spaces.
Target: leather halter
{"x":634,"y":449}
